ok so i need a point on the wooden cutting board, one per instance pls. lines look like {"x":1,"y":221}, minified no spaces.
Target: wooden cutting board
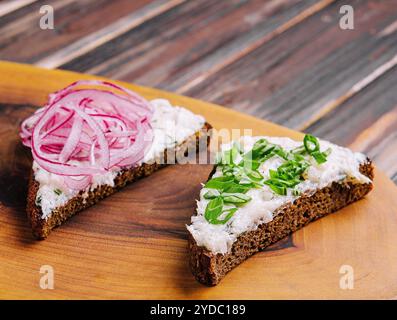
{"x":133,"y":244}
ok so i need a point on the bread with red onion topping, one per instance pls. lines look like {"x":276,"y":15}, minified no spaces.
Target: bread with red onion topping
{"x":92,"y":138}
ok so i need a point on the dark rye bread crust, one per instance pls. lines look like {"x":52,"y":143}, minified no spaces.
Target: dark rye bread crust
{"x":42,"y":227}
{"x":209,"y":268}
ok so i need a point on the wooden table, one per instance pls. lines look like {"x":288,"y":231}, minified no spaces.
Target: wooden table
{"x":133,"y":245}
{"x":286,"y":61}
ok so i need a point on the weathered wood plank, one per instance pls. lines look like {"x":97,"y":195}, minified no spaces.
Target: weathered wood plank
{"x":367,"y":122}
{"x":356,"y":88}
{"x":189,"y":40}
{"x":286,"y":60}
{"x":7,"y":7}
{"x":106,"y":34}
{"x":22,"y":40}
{"x":11,"y":12}
{"x":293,"y":77}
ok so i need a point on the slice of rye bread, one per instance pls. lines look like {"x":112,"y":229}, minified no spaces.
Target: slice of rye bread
{"x":209,"y":268}
{"x":42,"y":226}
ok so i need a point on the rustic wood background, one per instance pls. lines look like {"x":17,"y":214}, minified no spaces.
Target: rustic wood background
{"x":134,"y":246}
{"x":286,"y":61}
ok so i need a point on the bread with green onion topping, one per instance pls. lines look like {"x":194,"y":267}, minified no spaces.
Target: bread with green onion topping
{"x":228,"y":228}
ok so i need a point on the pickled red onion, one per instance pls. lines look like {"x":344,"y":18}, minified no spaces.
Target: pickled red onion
{"x":81,"y":132}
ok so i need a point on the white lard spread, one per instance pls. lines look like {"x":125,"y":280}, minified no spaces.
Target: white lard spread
{"x":171,"y":126}
{"x":342,"y":165}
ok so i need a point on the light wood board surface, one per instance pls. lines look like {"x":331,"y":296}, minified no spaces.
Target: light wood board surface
{"x":133,"y":244}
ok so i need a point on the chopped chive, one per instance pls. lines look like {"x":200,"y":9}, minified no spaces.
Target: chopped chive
{"x":211,"y":194}
{"x":320,"y":157}
{"x":213,"y":210}
{"x":311,"y":143}
{"x":282,"y":191}
{"x":239,"y":178}
{"x":235,"y":198}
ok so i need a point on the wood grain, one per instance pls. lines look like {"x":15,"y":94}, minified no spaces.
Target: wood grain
{"x":12,"y":10}
{"x":22,"y":39}
{"x":283,"y":60}
{"x":304,"y":69}
{"x":133,"y":244}
{"x":181,"y":45}
{"x":106,"y":34}
{"x":375,"y":138}
{"x":7,"y":7}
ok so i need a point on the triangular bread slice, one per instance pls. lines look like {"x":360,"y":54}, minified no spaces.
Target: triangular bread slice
{"x":48,"y":206}
{"x":217,"y":244}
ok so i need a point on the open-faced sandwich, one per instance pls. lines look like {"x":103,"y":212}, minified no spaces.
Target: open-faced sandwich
{"x":264,"y":188}
{"x":94,"y":137}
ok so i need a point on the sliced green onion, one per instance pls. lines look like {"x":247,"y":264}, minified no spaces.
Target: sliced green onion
{"x":219,"y":183}
{"x":211,"y":194}
{"x":320,"y":157}
{"x":230,"y":212}
{"x":239,"y":178}
{"x":213,"y":209}
{"x":235,"y":198}
{"x":311,"y":143}
{"x":282,"y":191}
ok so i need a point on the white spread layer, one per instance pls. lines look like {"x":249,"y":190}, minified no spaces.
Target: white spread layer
{"x":171,"y":126}
{"x":342,"y":165}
